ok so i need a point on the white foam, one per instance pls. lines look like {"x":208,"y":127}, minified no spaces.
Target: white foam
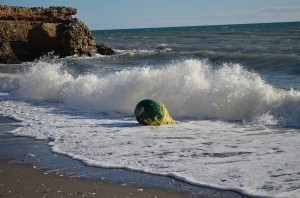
{"x":133,"y":52}
{"x":44,"y":82}
{"x":189,"y":89}
{"x":249,"y":157}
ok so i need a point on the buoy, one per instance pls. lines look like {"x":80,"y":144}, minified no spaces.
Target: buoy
{"x":150,"y":112}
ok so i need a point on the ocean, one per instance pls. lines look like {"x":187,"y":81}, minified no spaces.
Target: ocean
{"x":234,"y":91}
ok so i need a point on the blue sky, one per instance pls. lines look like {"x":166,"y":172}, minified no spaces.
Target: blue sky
{"x":119,"y":14}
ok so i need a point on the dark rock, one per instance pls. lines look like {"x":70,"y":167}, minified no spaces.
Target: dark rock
{"x":76,"y":38}
{"x":104,"y":50}
{"x":51,"y":14}
{"x":29,"y":33}
{"x":7,"y":55}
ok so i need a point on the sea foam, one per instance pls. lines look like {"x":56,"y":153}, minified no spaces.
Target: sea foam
{"x":79,"y":116}
{"x":190,"y":89}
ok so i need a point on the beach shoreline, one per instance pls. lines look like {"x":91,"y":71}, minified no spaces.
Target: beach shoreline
{"x":20,"y":180}
{"x":233,"y":90}
{"x":20,"y":155}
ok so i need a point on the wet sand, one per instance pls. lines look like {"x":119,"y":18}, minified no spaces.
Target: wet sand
{"x":19,"y":180}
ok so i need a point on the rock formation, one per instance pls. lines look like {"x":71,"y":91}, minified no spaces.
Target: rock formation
{"x":29,"y":33}
{"x":104,"y":50}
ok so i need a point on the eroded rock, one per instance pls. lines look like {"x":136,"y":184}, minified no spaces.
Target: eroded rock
{"x":29,"y":33}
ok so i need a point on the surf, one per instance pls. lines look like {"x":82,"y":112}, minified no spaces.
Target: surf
{"x":189,"y":88}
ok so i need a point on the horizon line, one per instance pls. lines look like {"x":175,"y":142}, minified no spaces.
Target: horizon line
{"x":230,"y":24}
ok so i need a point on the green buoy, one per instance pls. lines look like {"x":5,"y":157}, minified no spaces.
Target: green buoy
{"x":150,"y":112}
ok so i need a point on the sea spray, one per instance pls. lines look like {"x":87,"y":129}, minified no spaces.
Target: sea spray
{"x":190,"y":88}
{"x":44,"y":82}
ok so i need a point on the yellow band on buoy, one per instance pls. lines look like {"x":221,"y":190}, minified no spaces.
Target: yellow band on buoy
{"x":167,"y":119}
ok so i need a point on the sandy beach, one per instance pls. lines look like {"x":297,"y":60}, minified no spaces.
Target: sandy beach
{"x":19,"y":180}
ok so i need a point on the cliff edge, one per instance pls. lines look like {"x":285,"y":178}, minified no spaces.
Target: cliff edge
{"x":29,"y":33}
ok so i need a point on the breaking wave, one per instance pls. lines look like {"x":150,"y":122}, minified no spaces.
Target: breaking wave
{"x":190,"y":89}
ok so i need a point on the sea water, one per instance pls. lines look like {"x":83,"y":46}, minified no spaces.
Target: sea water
{"x":233,"y":90}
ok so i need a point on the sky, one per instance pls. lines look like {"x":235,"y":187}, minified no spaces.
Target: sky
{"x":124,"y":14}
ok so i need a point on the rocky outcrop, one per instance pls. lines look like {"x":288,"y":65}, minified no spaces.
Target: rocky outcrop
{"x":51,"y":14}
{"x":104,"y":50}
{"x":29,"y":33}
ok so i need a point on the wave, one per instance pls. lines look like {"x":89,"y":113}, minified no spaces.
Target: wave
{"x":133,"y":52}
{"x":189,"y":89}
{"x":8,"y":82}
{"x":141,"y":52}
{"x":245,"y":56}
